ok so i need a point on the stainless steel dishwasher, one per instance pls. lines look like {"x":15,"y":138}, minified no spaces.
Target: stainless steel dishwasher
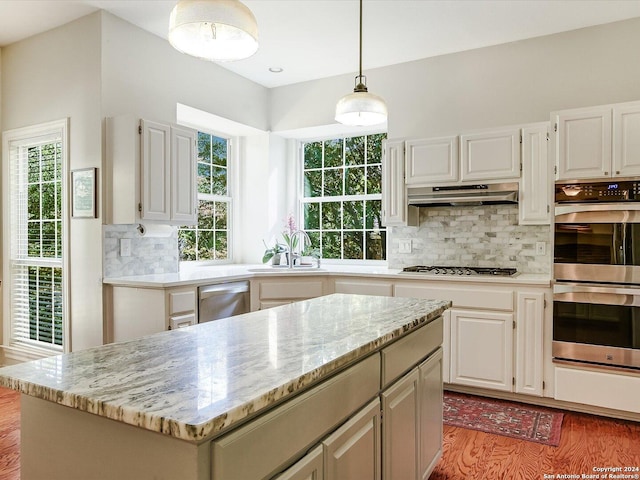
{"x":222,"y":300}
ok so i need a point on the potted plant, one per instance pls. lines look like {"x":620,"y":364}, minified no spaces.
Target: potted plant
{"x":273,"y":253}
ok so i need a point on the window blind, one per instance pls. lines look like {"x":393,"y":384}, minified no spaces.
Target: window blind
{"x":36,"y":226}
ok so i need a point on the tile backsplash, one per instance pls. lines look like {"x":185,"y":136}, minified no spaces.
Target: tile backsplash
{"x":479,"y":236}
{"x":149,"y":253}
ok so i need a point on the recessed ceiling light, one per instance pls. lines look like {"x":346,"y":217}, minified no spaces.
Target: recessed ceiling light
{"x":276,"y":70}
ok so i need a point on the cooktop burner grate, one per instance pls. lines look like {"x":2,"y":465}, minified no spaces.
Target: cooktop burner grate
{"x":437,"y":270}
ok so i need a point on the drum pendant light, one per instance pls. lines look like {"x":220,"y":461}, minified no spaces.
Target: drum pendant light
{"x":217,"y":30}
{"x":361,"y":108}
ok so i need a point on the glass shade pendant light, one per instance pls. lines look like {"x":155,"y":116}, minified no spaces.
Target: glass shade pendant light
{"x":361,"y":108}
{"x":217,"y":30}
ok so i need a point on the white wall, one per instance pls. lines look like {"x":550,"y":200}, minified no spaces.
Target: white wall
{"x":513,"y":83}
{"x":48,"y":77}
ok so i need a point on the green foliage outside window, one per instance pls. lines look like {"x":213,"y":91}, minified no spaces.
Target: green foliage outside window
{"x":342,"y":205}
{"x":44,"y":241}
{"x":208,"y":240}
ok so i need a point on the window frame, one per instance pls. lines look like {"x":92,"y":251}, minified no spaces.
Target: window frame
{"x":232,"y":166}
{"x":23,"y":137}
{"x":302,"y":200}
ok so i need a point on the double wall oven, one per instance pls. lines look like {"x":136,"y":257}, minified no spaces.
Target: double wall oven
{"x":596,"y":296}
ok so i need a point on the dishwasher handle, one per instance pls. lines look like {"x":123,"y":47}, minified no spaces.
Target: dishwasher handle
{"x":223,"y":289}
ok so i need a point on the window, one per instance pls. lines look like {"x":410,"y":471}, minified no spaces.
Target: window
{"x":342,"y":197}
{"x":209,"y":239}
{"x":36,"y":168}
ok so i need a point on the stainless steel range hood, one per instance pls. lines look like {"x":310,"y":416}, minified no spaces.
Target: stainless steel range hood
{"x":461,"y":195}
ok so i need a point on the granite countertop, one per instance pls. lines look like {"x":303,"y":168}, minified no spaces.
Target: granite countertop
{"x":200,"y":275}
{"x":195,"y":382}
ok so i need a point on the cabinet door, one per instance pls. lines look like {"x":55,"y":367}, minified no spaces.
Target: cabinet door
{"x":432,"y":161}
{"x":354,"y":451}
{"x":535,"y":184}
{"x":400,"y":431}
{"x":583,"y":144}
{"x":626,"y":142}
{"x":482,"y":349}
{"x":183,"y":176}
{"x":394,"y":193}
{"x":529,"y":343}
{"x":309,"y":467}
{"x":490,"y":155}
{"x":156,"y":171}
{"x":429,"y":414}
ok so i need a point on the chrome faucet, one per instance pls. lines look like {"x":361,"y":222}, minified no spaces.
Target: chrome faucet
{"x":306,"y":241}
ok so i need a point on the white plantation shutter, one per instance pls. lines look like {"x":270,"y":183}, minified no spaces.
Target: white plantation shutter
{"x":34,"y":194}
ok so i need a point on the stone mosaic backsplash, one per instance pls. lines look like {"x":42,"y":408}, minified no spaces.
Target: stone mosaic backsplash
{"x":479,"y":236}
{"x":149,"y":254}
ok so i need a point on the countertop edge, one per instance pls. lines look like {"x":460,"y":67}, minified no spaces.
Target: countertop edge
{"x":540,"y":280}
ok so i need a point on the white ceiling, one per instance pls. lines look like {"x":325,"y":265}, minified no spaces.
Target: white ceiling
{"x":312,"y":39}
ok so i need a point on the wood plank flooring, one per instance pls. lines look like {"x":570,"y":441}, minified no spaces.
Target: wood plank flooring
{"x":9,"y":435}
{"x":587,"y":441}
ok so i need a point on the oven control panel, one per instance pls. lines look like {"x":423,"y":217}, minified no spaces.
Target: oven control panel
{"x":622,"y":191}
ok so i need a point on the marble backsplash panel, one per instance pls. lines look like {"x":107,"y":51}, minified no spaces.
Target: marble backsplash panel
{"x":149,"y":254}
{"x":479,"y":236}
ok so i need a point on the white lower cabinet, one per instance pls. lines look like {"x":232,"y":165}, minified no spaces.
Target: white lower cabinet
{"x":353,"y":451}
{"x":493,"y":335}
{"x":482,"y":349}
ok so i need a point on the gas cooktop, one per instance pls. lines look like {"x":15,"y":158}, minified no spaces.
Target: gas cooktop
{"x":435,"y":270}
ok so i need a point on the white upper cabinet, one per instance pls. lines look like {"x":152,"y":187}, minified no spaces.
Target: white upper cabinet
{"x":490,"y":155}
{"x":626,"y":139}
{"x":535,"y":184}
{"x":432,"y":160}
{"x":150,"y":172}
{"x":156,"y":170}
{"x":583,"y":143}
{"x":395,"y":210}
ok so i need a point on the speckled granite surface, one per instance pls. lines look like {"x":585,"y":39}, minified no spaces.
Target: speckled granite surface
{"x":194,"y":382}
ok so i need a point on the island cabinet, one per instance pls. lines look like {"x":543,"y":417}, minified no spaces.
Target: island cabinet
{"x":366,"y":422}
{"x":151,"y":172}
{"x":597,"y":142}
{"x":493,"y":335}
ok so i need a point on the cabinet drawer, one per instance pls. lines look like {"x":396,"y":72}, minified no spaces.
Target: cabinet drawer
{"x":276,"y":438}
{"x":469,"y":297}
{"x":181,"y":321}
{"x":299,"y":289}
{"x":364,"y":287}
{"x":404,"y":354}
{"x":597,"y":388}
{"x":182,"y":302}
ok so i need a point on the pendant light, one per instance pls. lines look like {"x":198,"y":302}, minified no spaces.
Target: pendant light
{"x":217,"y":30}
{"x":361,"y":108}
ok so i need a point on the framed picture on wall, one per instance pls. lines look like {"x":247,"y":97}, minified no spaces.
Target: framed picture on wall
{"x":83,"y":193}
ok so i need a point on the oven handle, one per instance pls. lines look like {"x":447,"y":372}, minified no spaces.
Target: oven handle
{"x":596,"y":294}
{"x":596,"y":213}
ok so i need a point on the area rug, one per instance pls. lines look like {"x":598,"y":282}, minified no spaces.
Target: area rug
{"x":515,"y":420}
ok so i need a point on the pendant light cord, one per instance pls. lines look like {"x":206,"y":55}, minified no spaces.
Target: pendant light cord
{"x":360,"y":38}
{"x":361,"y":80}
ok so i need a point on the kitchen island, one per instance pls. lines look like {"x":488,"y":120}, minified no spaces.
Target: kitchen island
{"x":246,"y":397}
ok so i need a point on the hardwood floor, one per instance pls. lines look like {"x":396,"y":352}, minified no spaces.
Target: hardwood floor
{"x":9,"y":434}
{"x":586,"y":442}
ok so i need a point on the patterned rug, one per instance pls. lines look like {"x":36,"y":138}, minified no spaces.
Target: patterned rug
{"x":516,"y":420}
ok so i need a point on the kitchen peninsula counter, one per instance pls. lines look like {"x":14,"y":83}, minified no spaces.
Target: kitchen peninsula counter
{"x":191,"y":385}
